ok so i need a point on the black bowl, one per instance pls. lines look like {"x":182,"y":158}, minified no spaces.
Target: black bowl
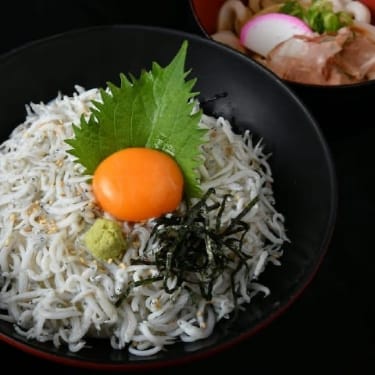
{"x":337,"y":109}
{"x":255,"y":99}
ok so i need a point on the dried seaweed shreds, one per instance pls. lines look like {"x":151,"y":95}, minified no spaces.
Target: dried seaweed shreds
{"x":192,"y":249}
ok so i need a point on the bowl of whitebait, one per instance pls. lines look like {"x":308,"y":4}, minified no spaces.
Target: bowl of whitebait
{"x":157,"y":205}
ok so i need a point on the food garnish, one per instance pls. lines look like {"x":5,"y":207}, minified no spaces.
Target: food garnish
{"x":192,"y":249}
{"x":263,"y":33}
{"x":320,"y":15}
{"x":105,"y":239}
{"x":138,"y":183}
{"x":153,"y":111}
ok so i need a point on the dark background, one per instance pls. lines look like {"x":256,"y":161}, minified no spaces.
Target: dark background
{"x":331,"y":327}
{"x":30,"y":20}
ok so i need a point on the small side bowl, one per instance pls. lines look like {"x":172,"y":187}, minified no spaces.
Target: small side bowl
{"x":336,"y":108}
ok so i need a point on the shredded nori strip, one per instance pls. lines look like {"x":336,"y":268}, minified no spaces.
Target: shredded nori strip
{"x":191,"y":249}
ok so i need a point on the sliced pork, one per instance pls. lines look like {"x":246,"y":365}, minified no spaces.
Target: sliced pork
{"x":347,"y":57}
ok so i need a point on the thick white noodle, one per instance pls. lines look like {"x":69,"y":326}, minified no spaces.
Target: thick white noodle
{"x":54,"y":290}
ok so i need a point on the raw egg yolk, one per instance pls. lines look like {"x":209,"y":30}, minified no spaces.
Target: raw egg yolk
{"x":136,"y":184}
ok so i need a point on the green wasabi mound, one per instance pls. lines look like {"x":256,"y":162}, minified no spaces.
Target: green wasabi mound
{"x":105,"y":240}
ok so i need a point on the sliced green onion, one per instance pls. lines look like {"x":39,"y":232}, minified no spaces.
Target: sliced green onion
{"x":319,"y":15}
{"x":331,"y":22}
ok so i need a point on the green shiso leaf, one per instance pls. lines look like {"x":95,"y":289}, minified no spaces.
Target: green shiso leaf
{"x":154,"y":111}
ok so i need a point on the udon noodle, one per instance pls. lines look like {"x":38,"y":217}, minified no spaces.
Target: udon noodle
{"x":344,"y":56}
{"x":51,"y":287}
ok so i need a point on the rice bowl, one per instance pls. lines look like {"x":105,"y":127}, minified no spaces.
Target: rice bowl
{"x":53,"y":289}
{"x":299,"y":172}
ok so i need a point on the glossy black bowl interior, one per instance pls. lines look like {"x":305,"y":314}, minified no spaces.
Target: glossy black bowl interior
{"x":255,"y":99}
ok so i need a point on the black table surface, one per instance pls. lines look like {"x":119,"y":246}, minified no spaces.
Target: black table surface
{"x":331,"y":327}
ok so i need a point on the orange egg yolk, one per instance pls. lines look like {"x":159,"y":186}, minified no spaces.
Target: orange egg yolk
{"x":136,"y":184}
